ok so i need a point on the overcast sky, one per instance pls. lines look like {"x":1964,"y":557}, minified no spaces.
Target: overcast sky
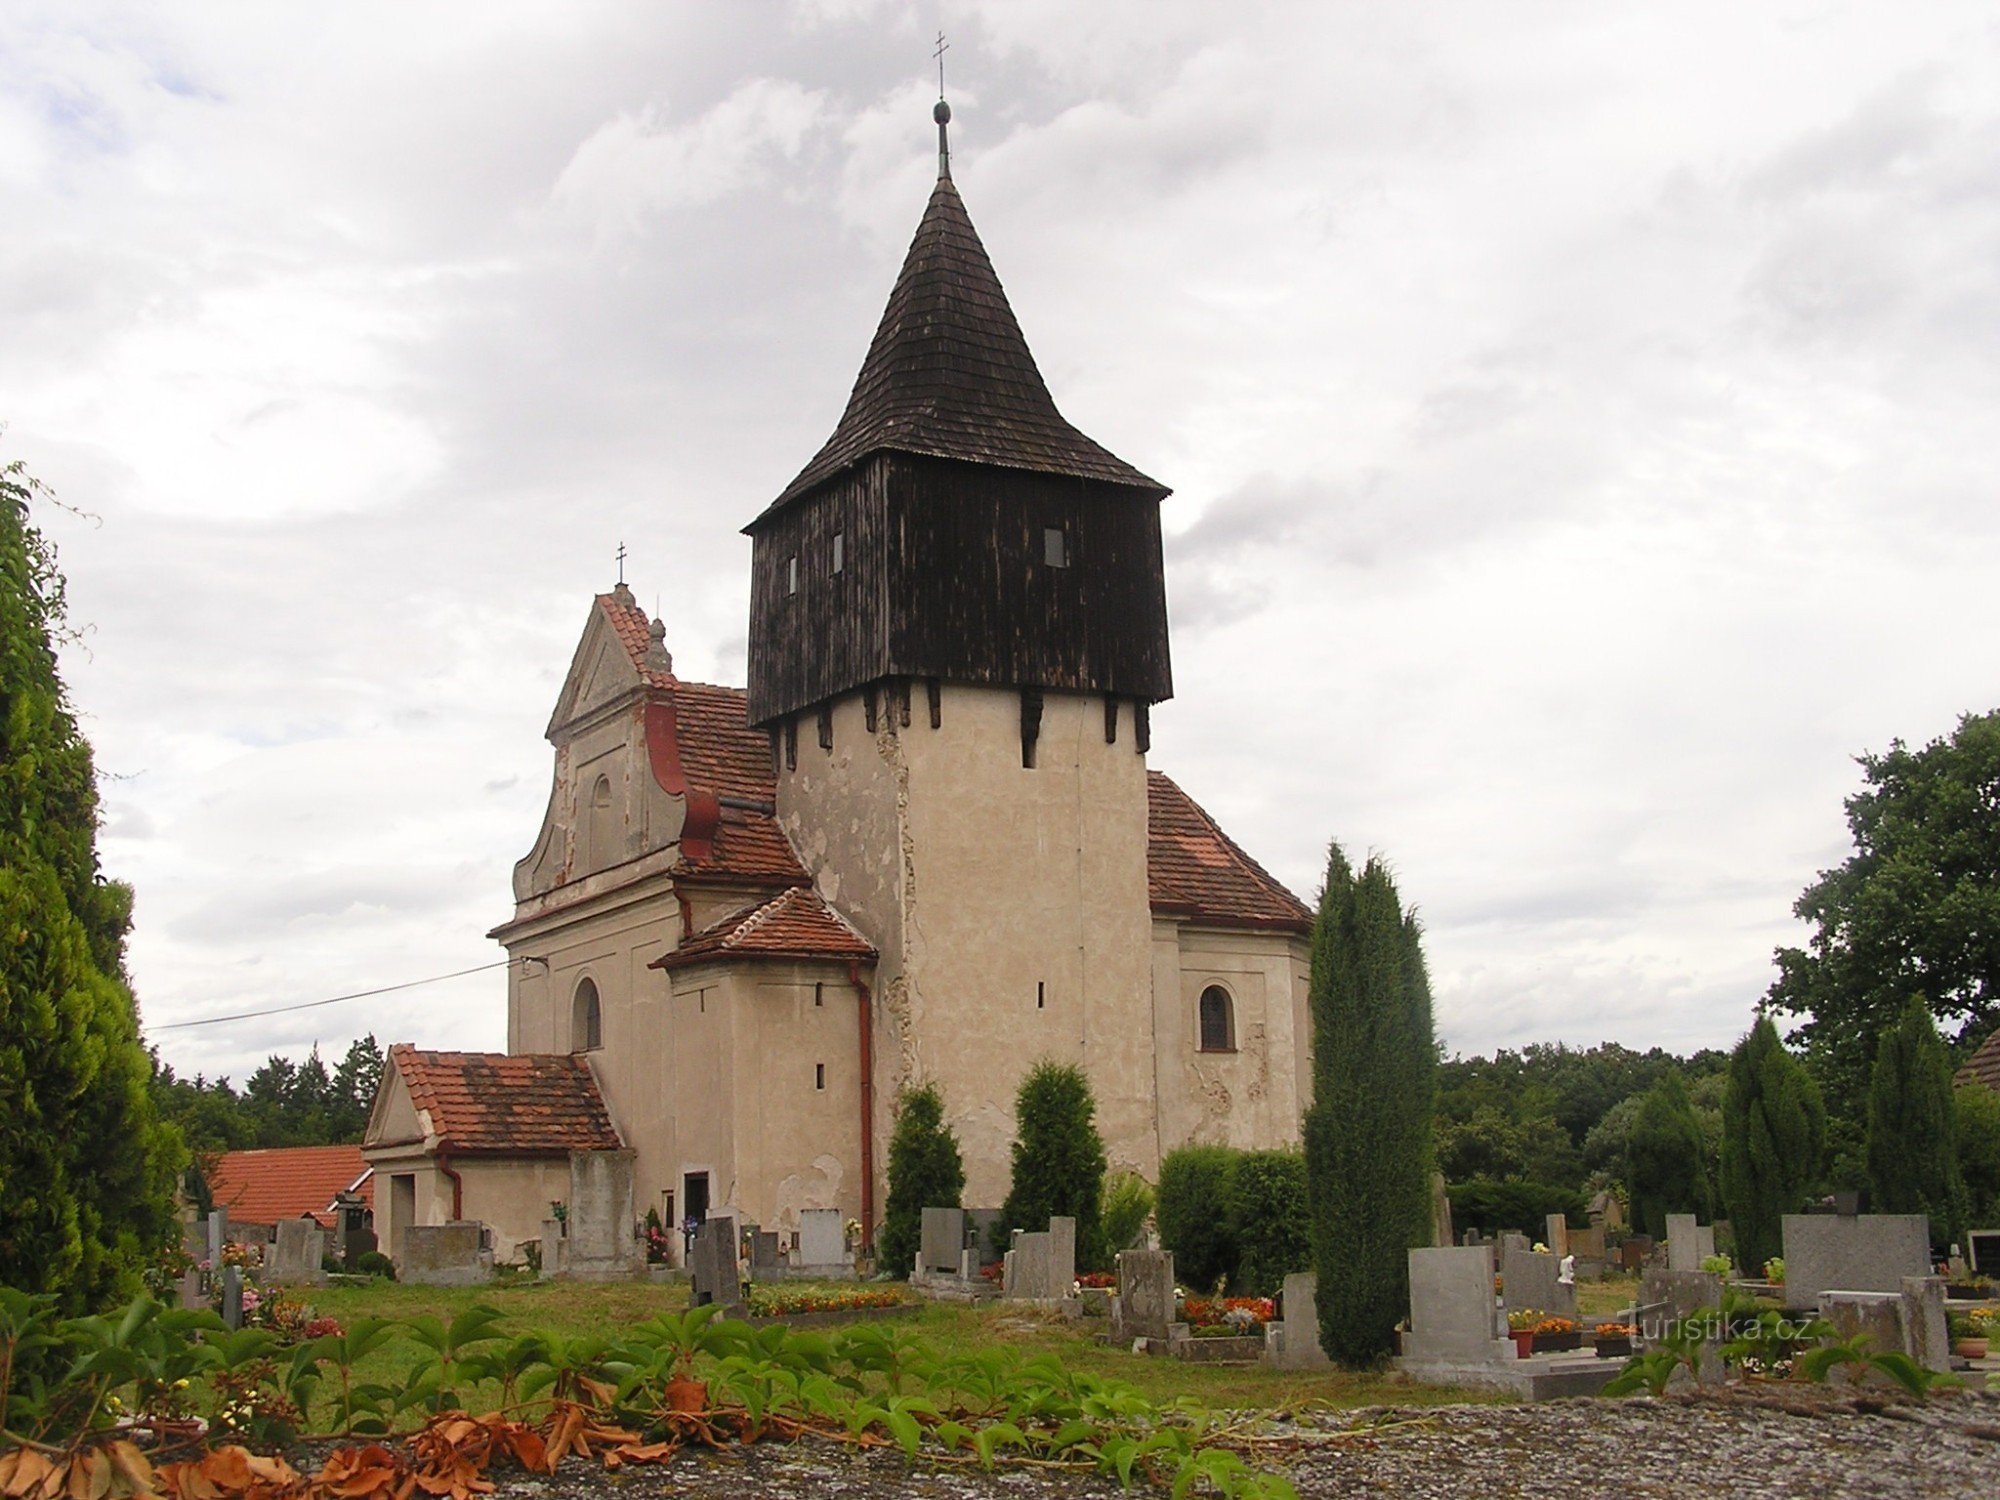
{"x":1582,"y":421}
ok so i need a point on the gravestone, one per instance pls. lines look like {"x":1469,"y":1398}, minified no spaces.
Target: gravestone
{"x":1533,"y":1279}
{"x":942,"y":1242}
{"x":1689,"y":1243}
{"x":191,"y":1294}
{"x":218,"y":1235}
{"x":296,"y":1254}
{"x":1982,"y":1251}
{"x":1027,"y":1268}
{"x":764,"y":1256}
{"x":232,"y":1296}
{"x":1911,"y":1321}
{"x":1144,"y":1306}
{"x":194,"y":1240}
{"x":1606,"y":1212}
{"x":1062,"y":1257}
{"x":1587,"y":1244}
{"x":453,"y":1254}
{"x":1635,"y":1252}
{"x":716,"y":1277}
{"x":1556,"y":1234}
{"x":1293,"y":1344}
{"x":1513,"y":1239}
{"x":555,"y":1248}
{"x":1453,"y":1319}
{"x":1865,"y":1253}
{"x":980,"y":1224}
{"x":822,"y":1239}
{"x":602,"y":1245}
{"x":1667,"y":1297}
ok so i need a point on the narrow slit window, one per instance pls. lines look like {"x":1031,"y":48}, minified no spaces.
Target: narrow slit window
{"x":1055,"y":547}
{"x":839,"y":551}
{"x":792,"y":574}
{"x":819,"y":994}
{"x":1041,"y":994}
{"x":819,"y":1075}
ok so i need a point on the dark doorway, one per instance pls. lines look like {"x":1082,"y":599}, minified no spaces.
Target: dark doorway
{"x":694,"y":1188}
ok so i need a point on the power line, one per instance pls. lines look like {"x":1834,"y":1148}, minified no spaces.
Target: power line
{"x":279,"y":1010}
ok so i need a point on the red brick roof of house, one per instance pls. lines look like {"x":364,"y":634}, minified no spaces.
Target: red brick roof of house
{"x":1195,"y":870}
{"x":288,"y":1182}
{"x":793,"y":925}
{"x":1983,"y":1066}
{"x":527,"y":1104}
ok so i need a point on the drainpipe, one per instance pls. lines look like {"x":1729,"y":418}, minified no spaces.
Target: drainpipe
{"x":457,"y":1182}
{"x":865,"y":1012}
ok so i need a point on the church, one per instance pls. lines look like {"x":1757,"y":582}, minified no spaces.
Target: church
{"x":923,"y":846}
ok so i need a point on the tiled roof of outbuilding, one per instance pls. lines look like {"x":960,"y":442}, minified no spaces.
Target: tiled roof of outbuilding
{"x":1195,"y":870}
{"x":1983,"y":1066}
{"x":262,"y":1187}
{"x":526,"y":1104}
{"x":950,"y":375}
{"x":795,"y":924}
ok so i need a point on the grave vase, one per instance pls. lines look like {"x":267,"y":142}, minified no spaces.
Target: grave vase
{"x":1524,"y":1342}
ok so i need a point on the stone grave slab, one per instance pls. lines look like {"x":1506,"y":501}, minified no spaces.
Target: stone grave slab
{"x":822,"y":1239}
{"x":296,"y":1254}
{"x":1533,"y":1279}
{"x":712,"y":1266}
{"x":453,"y":1254}
{"x":1689,"y":1242}
{"x":1144,"y":1306}
{"x":1864,"y":1253}
{"x":1453,"y":1318}
{"x":1062,"y":1257}
{"x":942,"y":1241}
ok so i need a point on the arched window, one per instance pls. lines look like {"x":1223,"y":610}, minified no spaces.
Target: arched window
{"x":586,"y":1023}
{"x":1218,"y":1020}
{"x":599,"y":853}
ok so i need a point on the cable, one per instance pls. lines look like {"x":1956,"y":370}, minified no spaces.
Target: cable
{"x":279,"y":1010}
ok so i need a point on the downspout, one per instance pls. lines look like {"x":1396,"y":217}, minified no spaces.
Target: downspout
{"x":864,"y":1010}
{"x":457,"y":1182}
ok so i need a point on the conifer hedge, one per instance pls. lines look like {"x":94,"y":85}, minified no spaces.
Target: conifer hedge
{"x":1058,"y":1160}
{"x":925,"y":1171}
{"x":1773,"y":1132}
{"x":1368,"y":1134}
{"x":1912,"y":1126}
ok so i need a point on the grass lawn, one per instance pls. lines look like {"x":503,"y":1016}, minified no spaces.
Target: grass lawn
{"x":573,"y":1308}
{"x":1599,"y":1301}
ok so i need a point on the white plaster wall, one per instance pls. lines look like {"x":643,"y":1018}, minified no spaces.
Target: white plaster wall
{"x":1249,"y":1097}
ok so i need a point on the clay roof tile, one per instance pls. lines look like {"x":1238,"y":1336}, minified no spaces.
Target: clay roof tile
{"x":262,"y":1187}
{"x":1197,"y":871}
{"x":792,"y":925}
{"x":523,"y":1104}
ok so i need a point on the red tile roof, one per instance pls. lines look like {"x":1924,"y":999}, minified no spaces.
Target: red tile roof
{"x":750,"y":847}
{"x":1983,"y":1066}
{"x":1195,"y":870}
{"x":795,"y":924}
{"x":262,"y":1187}
{"x":530,"y":1104}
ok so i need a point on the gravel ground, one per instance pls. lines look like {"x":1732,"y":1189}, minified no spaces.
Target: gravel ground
{"x":1823,"y":1443}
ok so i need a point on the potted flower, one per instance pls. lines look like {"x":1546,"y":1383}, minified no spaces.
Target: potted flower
{"x":1613,"y":1340}
{"x":1557,"y":1335}
{"x":1970,"y":1333}
{"x":1521,"y":1328}
{"x":1774,"y":1270}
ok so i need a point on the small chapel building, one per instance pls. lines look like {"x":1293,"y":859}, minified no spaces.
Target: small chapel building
{"x":923,"y":846}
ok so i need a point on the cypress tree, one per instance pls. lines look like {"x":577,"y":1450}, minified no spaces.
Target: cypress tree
{"x":1664,"y":1156}
{"x":925,"y":1171}
{"x":1773,"y":1131}
{"x":86,"y":1172}
{"x":1368,"y":1132}
{"x":1912,"y":1126}
{"x":1058,"y":1159}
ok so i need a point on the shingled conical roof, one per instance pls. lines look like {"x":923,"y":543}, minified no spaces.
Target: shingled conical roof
{"x":950,"y":375}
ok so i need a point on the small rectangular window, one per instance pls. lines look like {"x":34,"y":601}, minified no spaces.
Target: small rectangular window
{"x":792,"y":574}
{"x":819,"y":994}
{"x":839,"y":550}
{"x":1055,"y":547}
{"x":1041,"y":994}
{"x":819,"y":1075}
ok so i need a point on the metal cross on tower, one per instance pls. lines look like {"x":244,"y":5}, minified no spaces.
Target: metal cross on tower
{"x":621,"y":562}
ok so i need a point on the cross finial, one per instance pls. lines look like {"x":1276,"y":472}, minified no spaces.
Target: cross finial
{"x":942,"y":112}
{"x":621,"y":562}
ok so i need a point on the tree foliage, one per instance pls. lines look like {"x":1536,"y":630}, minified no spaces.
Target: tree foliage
{"x":1058,"y":1159}
{"x":1976,"y":1121}
{"x":1914,"y":910}
{"x":1269,"y":1219}
{"x":1368,"y":1135}
{"x":1773,"y":1131}
{"x":1193,"y":1213}
{"x":925,"y":1171}
{"x":283,"y":1103}
{"x":86,"y":1171}
{"x":1665,"y":1155}
{"x":1912,"y":1126}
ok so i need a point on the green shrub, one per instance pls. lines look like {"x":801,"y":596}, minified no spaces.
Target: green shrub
{"x":1489,"y":1206}
{"x":1194,"y":1213}
{"x":375,"y":1263}
{"x":1269,"y":1220}
{"x":925,"y":1171}
{"x":1058,"y":1161}
{"x":1128,"y":1203}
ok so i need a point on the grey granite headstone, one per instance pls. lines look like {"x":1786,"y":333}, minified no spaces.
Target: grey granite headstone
{"x":1453,"y":1318}
{"x":1144,"y":1306}
{"x":1675,"y":1296}
{"x":1027,"y":1273}
{"x":1062,"y":1257}
{"x":218,"y":1235}
{"x":296,"y":1254}
{"x":822,"y":1237}
{"x":191,"y":1294}
{"x":712,"y":1266}
{"x":453,"y":1254}
{"x":232,"y":1296}
{"x":602,"y":1243}
{"x":943,"y":1241}
{"x":1533,"y":1279}
{"x":764,"y":1254}
{"x":555,"y":1247}
{"x":1556,"y":1234}
{"x":1293,"y":1343}
{"x":1867,"y":1253}
{"x":1689,"y":1242}
{"x":1910,"y":1322}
